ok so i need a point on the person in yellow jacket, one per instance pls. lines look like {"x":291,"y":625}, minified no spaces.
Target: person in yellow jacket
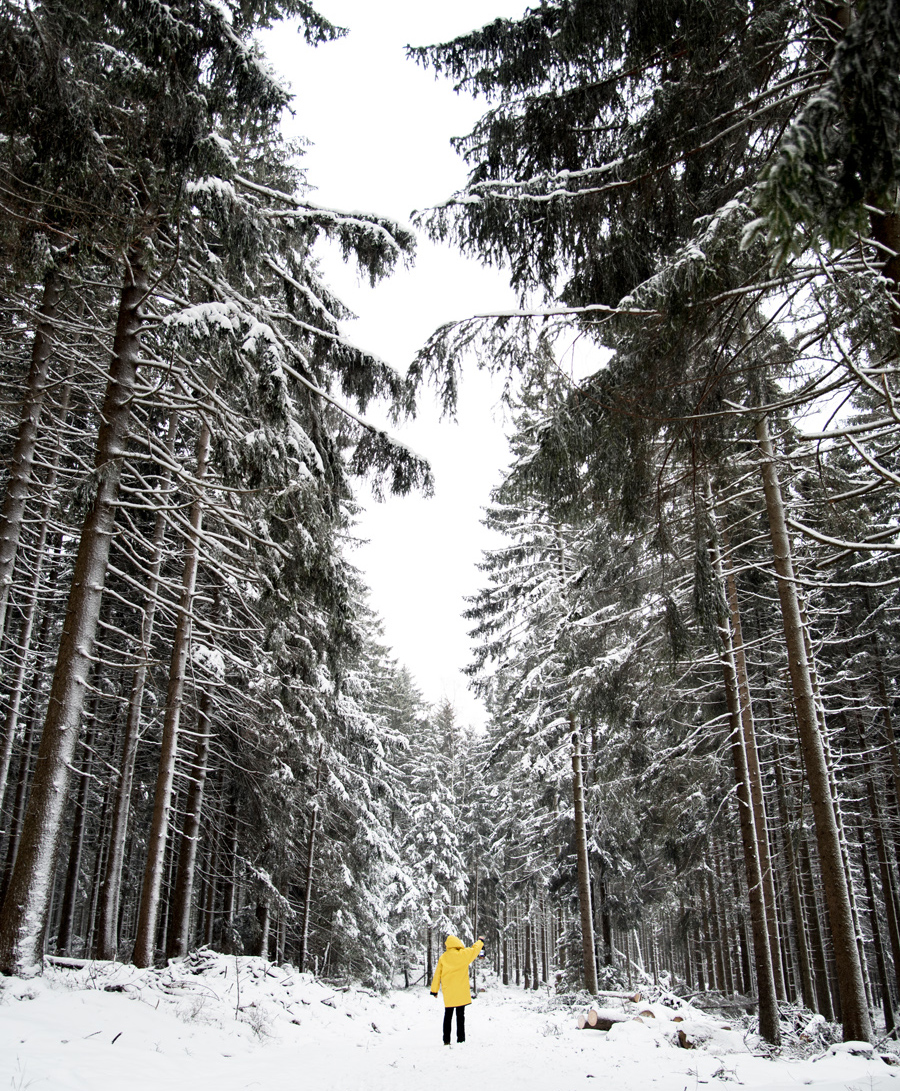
{"x":452,"y":976}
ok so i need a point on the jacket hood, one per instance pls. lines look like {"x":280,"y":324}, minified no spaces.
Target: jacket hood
{"x":452,"y":943}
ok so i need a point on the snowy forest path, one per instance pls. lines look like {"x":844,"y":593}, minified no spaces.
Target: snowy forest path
{"x":67,"y":1035}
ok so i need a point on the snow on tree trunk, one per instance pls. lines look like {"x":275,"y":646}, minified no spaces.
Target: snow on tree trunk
{"x":144,"y":943}
{"x":24,"y":915}
{"x":21,"y":462}
{"x":584,"y":875}
{"x":108,"y":924}
{"x":855,"y":1019}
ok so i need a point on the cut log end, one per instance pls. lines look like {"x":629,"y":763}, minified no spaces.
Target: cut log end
{"x":596,"y":1020}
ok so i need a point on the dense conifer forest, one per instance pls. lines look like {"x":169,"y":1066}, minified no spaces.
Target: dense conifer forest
{"x":687,"y":644}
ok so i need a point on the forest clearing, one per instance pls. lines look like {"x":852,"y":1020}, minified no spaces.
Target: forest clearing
{"x":685,"y":639}
{"x":226,"y":1024}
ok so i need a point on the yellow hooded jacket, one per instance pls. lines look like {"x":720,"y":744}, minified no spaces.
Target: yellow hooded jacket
{"x":452,"y":973}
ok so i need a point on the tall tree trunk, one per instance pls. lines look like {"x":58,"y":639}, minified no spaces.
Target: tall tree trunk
{"x":709,"y":943}
{"x":311,"y":865}
{"x":475,"y":926}
{"x":765,"y":978}
{"x":535,"y":932}
{"x":207,"y":907}
{"x":182,"y":897}
{"x":29,"y":607}
{"x":742,"y":935}
{"x":835,"y":794}
{"x":684,"y":935}
{"x":887,"y":883}
{"x":698,"y":958}
{"x":817,"y":939}
{"x":880,"y":960}
{"x":89,"y":915}
{"x":807,"y":988}
{"x":725,"y":926}
{"x":229,"y":884}
{"x":856,"y":1023}
{"x":264,"y":920}
{"x":714,"y":927}
{"x":24,"y":916}
{"x":584,"y":875}
{"x":76,"y":845}
{"x":17,"y":815}
{"x":162,"y":802}
{"x":757,"y":798}
{"x":505,"y":944}
{"x":21,"y":463}
{"x":107,"y":928}
{"x":526,"y":983}
{"x":886,"y":704}
{"x":516,"y":945}
{"x":545,"y":954}
{"x":605,"y":920}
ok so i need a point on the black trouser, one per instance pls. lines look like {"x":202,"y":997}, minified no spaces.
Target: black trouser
{"x":460,"y":1023}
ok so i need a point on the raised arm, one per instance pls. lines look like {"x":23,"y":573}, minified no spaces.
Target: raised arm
{"x":472,"y":952}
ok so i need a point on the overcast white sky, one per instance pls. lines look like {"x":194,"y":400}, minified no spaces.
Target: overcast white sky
{"x":380,"y":128}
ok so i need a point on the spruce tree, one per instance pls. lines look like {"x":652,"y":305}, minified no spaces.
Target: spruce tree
{"x":190,"y":100}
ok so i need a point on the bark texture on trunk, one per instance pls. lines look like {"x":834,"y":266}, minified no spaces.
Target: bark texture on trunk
{"x":856,"y":1023}
{"x":24,"y":915}
{"x":145,"y":940}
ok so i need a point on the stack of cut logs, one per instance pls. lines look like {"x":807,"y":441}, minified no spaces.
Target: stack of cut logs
{"x":687,"y":1035}
{"x":604,"y":1018}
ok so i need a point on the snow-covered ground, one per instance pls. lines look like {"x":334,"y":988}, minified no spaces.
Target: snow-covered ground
{"x":227,"y":1024}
